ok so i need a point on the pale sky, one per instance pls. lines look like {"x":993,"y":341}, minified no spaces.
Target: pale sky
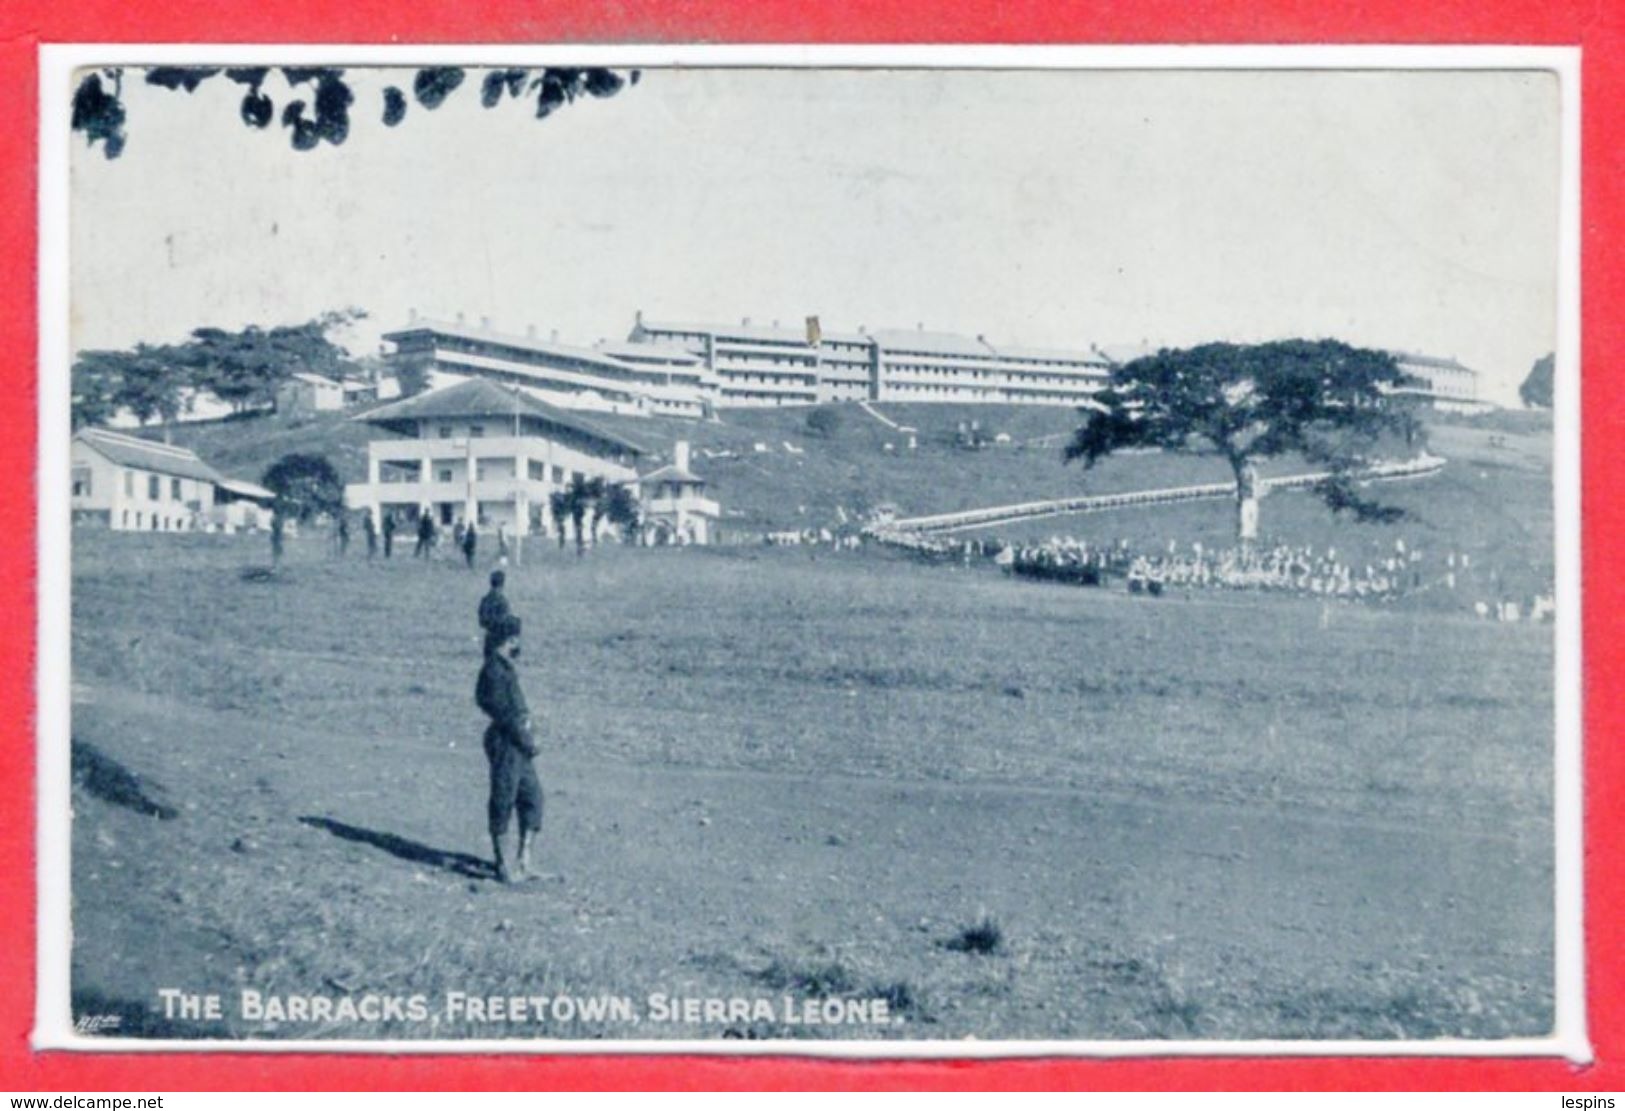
{"x":1408,"y":210}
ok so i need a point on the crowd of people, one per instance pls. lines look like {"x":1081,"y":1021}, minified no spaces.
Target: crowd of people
{"x":1281,"y":568}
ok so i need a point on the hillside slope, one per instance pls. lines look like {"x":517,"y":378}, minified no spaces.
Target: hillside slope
{"x":801,"y":478}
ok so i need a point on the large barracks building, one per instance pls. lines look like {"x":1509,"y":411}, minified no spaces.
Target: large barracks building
{"x":688,"y":370}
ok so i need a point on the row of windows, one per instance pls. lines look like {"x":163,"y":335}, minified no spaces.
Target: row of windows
{"x":154,"y":487}
{"x":155,"y":522}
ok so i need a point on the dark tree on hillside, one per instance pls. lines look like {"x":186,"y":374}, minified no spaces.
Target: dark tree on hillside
{"x":318,"y":99}
{"x":824,"y":421}
{"x":97,"y":378}
{"x":1536,"y":390}
{"x":412,"y":376}
{"x":150,"y":383}
{"x":305,"y":486}
{"x":1323,"y":399}
{"x":154,"y":385}
{"x":245,"y":368}
{"x":241,"y":368}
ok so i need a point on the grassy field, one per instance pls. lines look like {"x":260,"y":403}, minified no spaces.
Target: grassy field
{"x":783,"y":773}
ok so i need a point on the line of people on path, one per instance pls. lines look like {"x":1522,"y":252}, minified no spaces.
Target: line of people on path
{"x":465,"y":537}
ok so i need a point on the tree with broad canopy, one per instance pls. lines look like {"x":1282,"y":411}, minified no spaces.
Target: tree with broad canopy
{"x":305,"y":485}
{"x":1334,"y":404}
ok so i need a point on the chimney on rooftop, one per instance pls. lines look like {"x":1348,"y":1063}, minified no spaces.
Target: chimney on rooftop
{"x":459,"y":318}
{"x":680,"y":455}
{"x":485,"y":323}
{"x":775,"y":322}
{"x":412,"y":316}
{"x":920,"y":327}
{"x":530,"y":331}
{"x":553,"y":336}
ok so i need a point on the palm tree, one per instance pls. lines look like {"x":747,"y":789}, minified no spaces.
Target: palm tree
{"x":581,"y":495}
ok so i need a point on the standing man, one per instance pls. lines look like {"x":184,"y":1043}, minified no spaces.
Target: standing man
{"x":389,"y":534}
{"x":425,"y":533}
{"x":471,"y":539}
{"x":344,"y":534}
{"x":509,"y":748}
{"x":494,"y":609}
{"x":277,"y":527}
{"x":372,"y":535}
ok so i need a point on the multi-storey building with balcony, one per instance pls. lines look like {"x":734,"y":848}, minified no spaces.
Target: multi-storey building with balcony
{"x":1443,"y":383}
{"x":690,"y":369}
{"x":485,"y":453}
{"x":654,"y":380}
{"x":772,"y":365}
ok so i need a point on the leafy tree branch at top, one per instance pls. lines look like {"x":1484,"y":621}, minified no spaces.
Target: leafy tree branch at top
{"x":319,"y":99}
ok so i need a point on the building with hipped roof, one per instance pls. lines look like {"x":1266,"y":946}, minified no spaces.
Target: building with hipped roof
{"x":483,"y":452}
{"x":675,"y":508}
{"x":126,"y":482}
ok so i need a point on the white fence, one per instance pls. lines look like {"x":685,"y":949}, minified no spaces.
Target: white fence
{"x":1097,"y":503}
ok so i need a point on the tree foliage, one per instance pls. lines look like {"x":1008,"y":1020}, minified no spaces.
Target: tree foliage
{"x":1330,"y":402}
{"x":558,"y":503}
{"x":317,"y":105}
{"x":305,"y":485}
{"x":619,"y":506}
{"x":241,"y":368}
{"x":581,"y":497}
{"x":824,"y":421}
{"x":1536,"y":390}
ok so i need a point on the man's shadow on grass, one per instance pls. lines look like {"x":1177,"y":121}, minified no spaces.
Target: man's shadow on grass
{"x":460,"y":863}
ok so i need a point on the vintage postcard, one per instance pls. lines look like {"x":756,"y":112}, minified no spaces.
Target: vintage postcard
{"x":904,"y":552}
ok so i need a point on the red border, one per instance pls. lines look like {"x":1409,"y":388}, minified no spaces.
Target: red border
{"x":1596,"y":27}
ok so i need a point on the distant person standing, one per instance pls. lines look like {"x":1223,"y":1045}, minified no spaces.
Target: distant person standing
{"x":425,"y":535}
{"x":509,"y":748}
{"x":371,"y":530}
{"x":344,"y":534}
{"x":277,"y":527}
{"x":502,"y":542}
{"x":471,"y":540}
{"x":389,"y":534}
{"x":494,"y":609}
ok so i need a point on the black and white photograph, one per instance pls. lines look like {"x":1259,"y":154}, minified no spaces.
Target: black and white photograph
{"x":931,"y":552}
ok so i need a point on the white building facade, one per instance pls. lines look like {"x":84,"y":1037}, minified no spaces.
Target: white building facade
{"x":127,"y":483}
{"x":689,"y":370}
{"x":1443,"y":383}
{"x":675,"y":509}
{"x":481,"y":452}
